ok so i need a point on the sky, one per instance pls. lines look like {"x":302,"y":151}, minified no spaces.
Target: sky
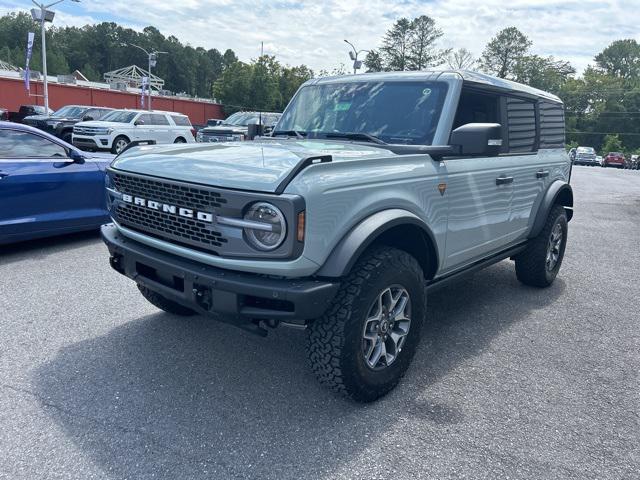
{"x":312,"y":32}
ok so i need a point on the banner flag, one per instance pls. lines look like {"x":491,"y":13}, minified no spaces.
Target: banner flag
{"x":27,"y":71}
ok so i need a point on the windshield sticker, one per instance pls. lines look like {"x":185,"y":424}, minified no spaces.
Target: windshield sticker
{"x":426,"y":92}
{"x":342,"y":106}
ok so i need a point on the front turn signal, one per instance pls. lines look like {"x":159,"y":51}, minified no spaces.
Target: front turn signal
{"x":300,"y":229}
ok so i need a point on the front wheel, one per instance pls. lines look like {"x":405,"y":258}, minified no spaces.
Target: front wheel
{"x":364,"y":343}
{"x":180,"y":140}
{"x":119,"y":144}
{"x":539,"y":264}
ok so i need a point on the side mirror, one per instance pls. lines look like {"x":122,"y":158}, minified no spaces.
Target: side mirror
{"x":87,"y":118}
{"x":477,"y":139}
{"x":138,"y":122}
{"x":76,"y":156}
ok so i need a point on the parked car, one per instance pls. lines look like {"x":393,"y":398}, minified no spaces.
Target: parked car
{"x":236,"y":127}
{"x":120,"y":127}
{"x":373,"y":190}
{"x":47,"y":187}
{"x":635,"y":162}
{"x":4,"y":114}
{"x":614,"y":159}
{"x":600,"y":160}
{"x":26,"y":111}
{"x":585,"y":156}
{"x":60,"y":123}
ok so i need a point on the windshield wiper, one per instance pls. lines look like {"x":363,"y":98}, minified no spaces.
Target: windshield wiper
{"x":356,"y":136}
{"x":289,"y":133}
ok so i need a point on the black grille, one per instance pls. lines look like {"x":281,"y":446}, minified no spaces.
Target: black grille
{"x":164,"y":225}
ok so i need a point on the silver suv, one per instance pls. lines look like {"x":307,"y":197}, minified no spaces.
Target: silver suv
{"x":373,"y":190}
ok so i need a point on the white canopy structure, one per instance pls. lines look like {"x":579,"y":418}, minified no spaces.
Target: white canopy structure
{"x":7,"y":66}
{"x":133,"y":76}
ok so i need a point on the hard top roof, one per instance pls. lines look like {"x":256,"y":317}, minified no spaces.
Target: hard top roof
{"x":467,"y":76}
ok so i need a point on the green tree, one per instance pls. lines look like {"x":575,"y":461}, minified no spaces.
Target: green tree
{"x":423,"y":36}
{"x":620,"y":59}
{"x":545,"y":73}
{"x":612,"y":143}
{"x":502,"y":53}
{"x":396,"y":45}
{"x":373,"y":61}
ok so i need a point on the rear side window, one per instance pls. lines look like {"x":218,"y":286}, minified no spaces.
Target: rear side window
{"x":16,"y":144}
{"x":181,"y":121}
{"x":551,"y":125}
{"x":158,"y":119}
{"x":521,"y":123}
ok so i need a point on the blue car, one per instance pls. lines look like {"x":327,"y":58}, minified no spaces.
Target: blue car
{"x":47,"y":187}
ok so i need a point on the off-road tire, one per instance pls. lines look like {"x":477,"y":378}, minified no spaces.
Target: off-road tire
{"x":531,"y":266}
{"x":164,"y":303}
{"x":334,"y":341}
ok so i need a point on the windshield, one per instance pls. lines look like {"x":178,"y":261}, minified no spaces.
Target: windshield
{"x":70,"y":112}
{"x":119,"y":117}
{"x":394,"y":112}
{"x":242,"y":119}
{"x":586,"y":150}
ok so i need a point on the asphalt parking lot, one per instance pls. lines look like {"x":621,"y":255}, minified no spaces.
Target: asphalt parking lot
{"x":509,"y":381}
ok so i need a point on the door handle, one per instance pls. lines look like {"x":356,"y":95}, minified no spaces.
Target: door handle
{"x":504,"y":180}
{"x":542,"y":173}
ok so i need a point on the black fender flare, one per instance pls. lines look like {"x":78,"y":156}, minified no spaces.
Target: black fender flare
{"x":558,"y":192}
{"x":359,"y":238}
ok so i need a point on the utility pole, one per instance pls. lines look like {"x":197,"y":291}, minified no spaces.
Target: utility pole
{"x":45,"y":16}
{"x":153,"y":58}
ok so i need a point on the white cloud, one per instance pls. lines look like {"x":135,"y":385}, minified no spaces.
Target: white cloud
{"x":312,"y":31}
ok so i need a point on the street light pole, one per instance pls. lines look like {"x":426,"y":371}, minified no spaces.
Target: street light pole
{"x":152,"y":56}
{"x":354,"y":56}
{"x":43,"y":10}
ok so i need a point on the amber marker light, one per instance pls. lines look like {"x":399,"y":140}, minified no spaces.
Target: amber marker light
{"x":300,"y":231}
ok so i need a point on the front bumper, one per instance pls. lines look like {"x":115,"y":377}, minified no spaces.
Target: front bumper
{"x":215,"y":291}
{"x":97,"y":142}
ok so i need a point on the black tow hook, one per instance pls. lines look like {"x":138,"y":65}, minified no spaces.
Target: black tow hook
{"x":202,"y":296}
{"x":116,"y":263}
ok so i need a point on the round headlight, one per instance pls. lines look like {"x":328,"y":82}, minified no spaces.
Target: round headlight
{"x":269,"y":228}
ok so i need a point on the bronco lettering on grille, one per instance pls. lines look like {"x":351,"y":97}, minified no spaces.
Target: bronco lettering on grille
{"x":166,"y":208}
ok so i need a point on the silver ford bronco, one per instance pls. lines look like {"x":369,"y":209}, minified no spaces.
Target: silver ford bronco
{"x":371,"y":191}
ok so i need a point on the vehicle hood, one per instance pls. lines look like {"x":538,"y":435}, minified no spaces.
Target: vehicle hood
{"x":225,"y":130}
{"x":101,"y":124}
{"x":260,"y":165}
{"x":41,"y":118}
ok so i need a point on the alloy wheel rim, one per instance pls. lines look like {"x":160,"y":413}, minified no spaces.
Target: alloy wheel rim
{"x":120,"y":144}
{"x":553,"y":249}
{"x":386,"y":327}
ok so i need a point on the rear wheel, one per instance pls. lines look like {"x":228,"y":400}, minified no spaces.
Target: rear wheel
{"x":119,"y":144}
{"x":67,"y":137}
{"x":180,"y":140}
{"x":364,"y":344}
{"x":163,"y":303}
{"x":540,"y":263}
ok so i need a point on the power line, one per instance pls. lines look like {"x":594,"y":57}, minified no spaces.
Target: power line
{"x":603,"y":133}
